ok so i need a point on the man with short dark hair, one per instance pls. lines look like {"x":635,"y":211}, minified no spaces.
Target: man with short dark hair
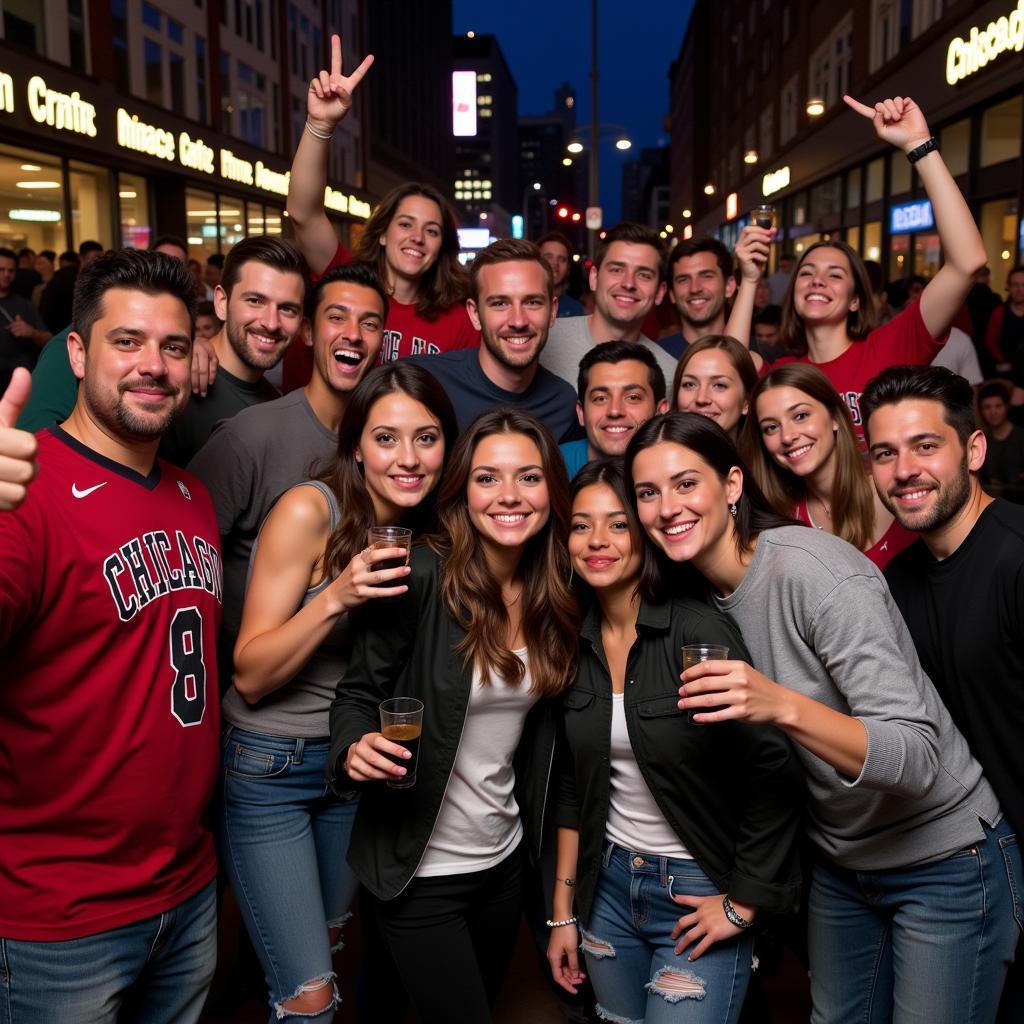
{"x":557,"y":251}
{"x":1004,"y":337}
{"x":88,"y":251}
{"x":620,"y":387}
{"x":513,"y":306}
{"x":256,"y":455}
{"x":1002,"y":473}
{"x":110,"y":592}
{"x":961,"y":588}
{"x":260,"y":302}
{"x":767,"y":340}
{"x":700,"y":282}
{"x":627,"y":280}
{"x":26,"y":277}
{"x":22,"y":331}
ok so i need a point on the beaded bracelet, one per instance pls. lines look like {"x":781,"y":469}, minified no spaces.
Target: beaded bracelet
{"x":561,"y":924}
{"x":733,"y":917}
{"x":318,"y":135}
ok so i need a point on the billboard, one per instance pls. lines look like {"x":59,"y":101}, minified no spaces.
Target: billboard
{"x":463,"y":103}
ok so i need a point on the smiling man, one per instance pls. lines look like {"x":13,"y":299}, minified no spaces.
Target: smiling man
{"x":961,"y":588}
{"x":513,"y":306}
{"x":621,"y":386}
{"x":110,"y":594}
{"x":627,"y":280}
{"x":259,"y":299}
{"x":700,"y":282}
{"x":253,"y":457}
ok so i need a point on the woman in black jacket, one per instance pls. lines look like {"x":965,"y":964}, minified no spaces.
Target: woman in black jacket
{"x":657,"y":816}
{"x":485,"y":635}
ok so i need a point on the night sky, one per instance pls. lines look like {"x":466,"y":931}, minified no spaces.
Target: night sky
{"x":548,"y":43}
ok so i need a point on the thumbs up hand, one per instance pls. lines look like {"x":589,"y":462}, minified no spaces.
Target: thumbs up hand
{"x":17,"y":447}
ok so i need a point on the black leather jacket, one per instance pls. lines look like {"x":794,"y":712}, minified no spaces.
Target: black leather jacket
{"x":731,"y":792}
{"x":405,"y":647}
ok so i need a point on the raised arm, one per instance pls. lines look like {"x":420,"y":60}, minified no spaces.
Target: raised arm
{"x":900,"y":122}
{"x":328,"y":101}
{"x":752,"y":255}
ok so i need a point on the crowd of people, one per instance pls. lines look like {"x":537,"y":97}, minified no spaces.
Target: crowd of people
{"x":710,"y":632}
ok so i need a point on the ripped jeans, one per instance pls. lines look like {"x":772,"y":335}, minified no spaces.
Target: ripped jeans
{"x":283,"y":843}
{"x":630,"y":952}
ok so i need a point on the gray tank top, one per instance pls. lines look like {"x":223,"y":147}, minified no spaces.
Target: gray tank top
{"x":301,"y":707}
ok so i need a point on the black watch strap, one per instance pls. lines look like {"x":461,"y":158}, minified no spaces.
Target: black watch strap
{"x":925,"y":148}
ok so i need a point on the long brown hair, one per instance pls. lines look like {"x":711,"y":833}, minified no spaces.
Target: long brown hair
{"x":860,"y":322}
{"x":344,"y":475}
{"x":445,"y":283}
{"x":473,"y":596}
{"x":852,"y":504}
{"x":738,"y":355}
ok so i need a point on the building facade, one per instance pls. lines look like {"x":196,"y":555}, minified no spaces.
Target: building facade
{"x":126,"y":119}
{"x":743,"y":83}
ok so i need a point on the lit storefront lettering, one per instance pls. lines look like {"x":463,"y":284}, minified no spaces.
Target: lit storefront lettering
{"x":6,"y":93}
{"x":195,"y":154}
{"x":143,"y":138}
{"x":340,"y":202}
{"x":271,"y":181}
{"x":67,"y":112}
{"x":234,"y":168}
{"x":776,"y":181}
{"x":916,"y":216}
{"x":965,"y":57}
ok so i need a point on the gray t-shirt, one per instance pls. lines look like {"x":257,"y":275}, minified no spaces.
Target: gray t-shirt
{"x":302,"y":706}
{"x":248,"y":462}
{"x":818,"y":617}
{"x":570,"y":340}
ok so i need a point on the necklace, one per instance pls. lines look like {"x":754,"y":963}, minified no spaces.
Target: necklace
{"x":827,"y":510}
{"x":515,"y":600}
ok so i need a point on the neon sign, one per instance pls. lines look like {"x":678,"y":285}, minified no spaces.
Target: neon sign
{"x":965,"y":57}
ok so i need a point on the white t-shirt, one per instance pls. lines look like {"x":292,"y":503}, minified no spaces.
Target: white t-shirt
{"x":635,"y":821}
{"x":478,"y":825}
{"x":959,"y":356}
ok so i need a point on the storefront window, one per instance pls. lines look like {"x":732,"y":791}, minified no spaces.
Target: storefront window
{"x":1000,"y":132}
{"x":133,"y":199}
{"x":956,"y":147}
{"x":274,"y":221}
{"x":899,"y":257}
{"x":927,"y":254}
{"x":899,"y":174}
{"x":826,"y":199}
{"x":254,"y":219}
{"x":31,"y":201}
{"x":872,"y":249}
{"x":853,"y":238}
{"x":999,"y":233}
{"x":804,"y":242}
{"x":90,"y":205}
{"x":232,"y":222}
{"x":853,"y":189}
{"x":875,"y":183}
{"x":201,"y":215}
{"x":24,"y":24}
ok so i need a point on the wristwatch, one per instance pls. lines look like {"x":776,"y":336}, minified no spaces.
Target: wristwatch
{"x":923,"y":150}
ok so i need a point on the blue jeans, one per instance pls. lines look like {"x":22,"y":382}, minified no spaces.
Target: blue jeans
{"x":928,"y":944}
{"x":155,"y":971}
{"x":630,"y":952}
{"x":284,"y":839}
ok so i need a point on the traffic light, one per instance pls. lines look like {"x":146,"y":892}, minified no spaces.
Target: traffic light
{"x":563,"y":212}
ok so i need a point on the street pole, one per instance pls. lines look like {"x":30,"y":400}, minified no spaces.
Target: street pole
{"x":594,"y":188}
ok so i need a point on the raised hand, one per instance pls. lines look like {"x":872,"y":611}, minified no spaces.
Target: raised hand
{"x":330,"y":93}
{"x":17,"y":447}
{"x":898,"y":121}
{"x":752,"y":250}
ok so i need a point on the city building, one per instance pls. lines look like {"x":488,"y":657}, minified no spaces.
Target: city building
{"x":756,"y":116}
{"x":126,"y":120}
{"x":645,"y":188}
{"x":486,"y":175}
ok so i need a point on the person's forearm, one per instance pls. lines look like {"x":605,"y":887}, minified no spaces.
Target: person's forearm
{"x":838,"y":739}
{"x":308,"y":178}
{"x":40,"y":336}
{"x":742,"y":315}
{"x":962,"y":245}
{"x":565,"y":867}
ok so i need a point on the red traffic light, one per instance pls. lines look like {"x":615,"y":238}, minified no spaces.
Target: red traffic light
{"x":563,"y":212}
{"x":575,"y":218}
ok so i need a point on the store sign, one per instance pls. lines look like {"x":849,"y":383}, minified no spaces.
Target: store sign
{"x":775,"y":181}
{"x":6,"y":93}
{"x":965,"y":57}
{"x":143,"y":138}
{"x":67,"y":112}
{"x":915,"y":216}
{"x":343,"y":202}
{"x":464,"y":103}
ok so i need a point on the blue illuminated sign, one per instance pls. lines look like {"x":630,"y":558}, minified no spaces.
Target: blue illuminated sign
{"x":916,"y":216}
{"x":517,"y":226}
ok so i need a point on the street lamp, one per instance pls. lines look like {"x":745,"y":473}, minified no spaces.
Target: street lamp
{"x":575,"y":146}
{"x":815,"y":106}
{"x":532,"y":189}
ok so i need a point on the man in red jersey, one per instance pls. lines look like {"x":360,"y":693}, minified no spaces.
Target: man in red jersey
{"x":110,"y":595}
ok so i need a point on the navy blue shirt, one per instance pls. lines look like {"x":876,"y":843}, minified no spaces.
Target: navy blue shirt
{"x":548,"y":397}
{"x":674,"y":344}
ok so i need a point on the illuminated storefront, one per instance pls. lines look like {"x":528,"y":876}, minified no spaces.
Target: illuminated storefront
{"x":79,"y":162}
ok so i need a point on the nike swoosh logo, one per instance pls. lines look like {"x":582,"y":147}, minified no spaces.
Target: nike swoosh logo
{"x":88,"y":490}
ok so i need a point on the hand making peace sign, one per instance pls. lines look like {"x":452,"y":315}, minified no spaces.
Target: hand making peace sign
{"x":330,"y":93}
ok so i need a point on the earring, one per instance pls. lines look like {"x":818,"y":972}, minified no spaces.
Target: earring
{"x":733,"y":510}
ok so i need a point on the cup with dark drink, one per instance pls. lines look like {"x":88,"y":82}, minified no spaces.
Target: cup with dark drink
{"x":401,"y":721}
{"x":694,"y":654}
{"x":378,"y":537}
{"x":763,"y":216}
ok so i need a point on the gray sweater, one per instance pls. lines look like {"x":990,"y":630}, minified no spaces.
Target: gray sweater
{"x":818,"y":617}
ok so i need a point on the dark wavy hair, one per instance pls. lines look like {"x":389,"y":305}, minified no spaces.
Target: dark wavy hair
{"x":473,"y":596}
{"x":344,"y":475}
{"x":709,"y":441}
{"x":445,"y":283}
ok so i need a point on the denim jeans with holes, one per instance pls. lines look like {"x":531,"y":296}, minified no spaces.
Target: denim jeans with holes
{"x":283,"y":842}
{"x":919,"y":945}
{"x":630,"y":953}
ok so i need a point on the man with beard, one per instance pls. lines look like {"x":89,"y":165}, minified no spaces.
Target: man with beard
{"x":513,"y":306}
{"x":961,"y":587}
{"x":627,"y":280}
{"x":253,"y":457}
{"x":259,"y":299}
{"x":110,"y":593}
{"x":700,"y":282}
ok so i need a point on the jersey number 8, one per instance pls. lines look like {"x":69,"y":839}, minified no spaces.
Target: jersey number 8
{"x":188,"y":691}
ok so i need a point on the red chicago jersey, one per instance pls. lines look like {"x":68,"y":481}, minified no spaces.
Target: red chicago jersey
{"x":110,"y":599}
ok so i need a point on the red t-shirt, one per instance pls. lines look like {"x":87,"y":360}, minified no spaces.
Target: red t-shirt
{"x":904,"y":339}
{"x":406,"y":333}
{"x":110,"y":602}
{"x":886,"y":548}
